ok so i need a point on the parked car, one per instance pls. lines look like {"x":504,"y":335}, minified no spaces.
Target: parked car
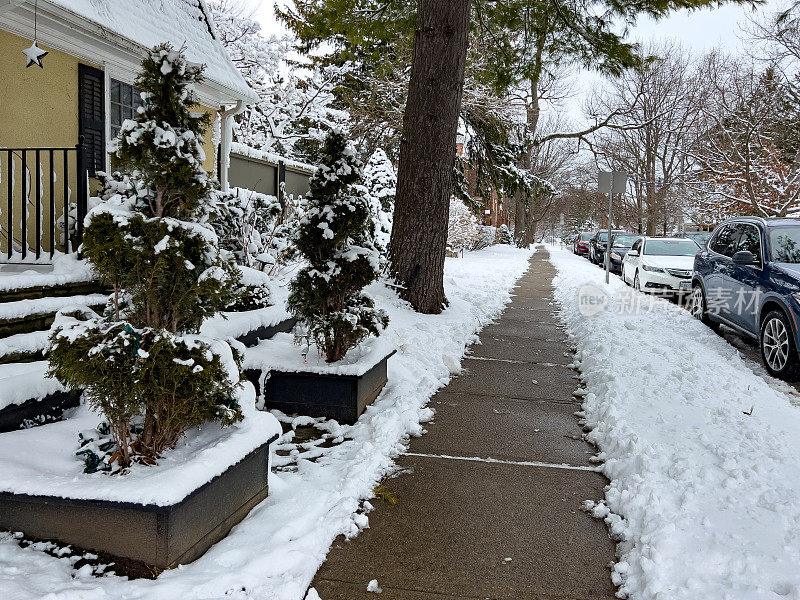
{"x":662,"y":265}
{"x":620,"y":244}
{"x":581,"y":244}
{"x":598,"y":244}
{"x":701,"y":237}
{"x":749,"y":279}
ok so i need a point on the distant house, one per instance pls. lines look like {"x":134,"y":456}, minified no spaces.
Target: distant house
{"x":57,"y":120}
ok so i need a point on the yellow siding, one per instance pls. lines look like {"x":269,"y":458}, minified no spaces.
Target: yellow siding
{"x":39,"y":106}
{"x":208,"y":141}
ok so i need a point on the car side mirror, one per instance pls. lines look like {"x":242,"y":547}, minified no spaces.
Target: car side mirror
{"x":633,"y":253}
{"x":744,"y":257}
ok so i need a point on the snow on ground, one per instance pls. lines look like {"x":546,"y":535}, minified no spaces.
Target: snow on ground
{"x":66,"y":268}
{"x":704,"y":496}
{"x":53,"y":470}
{"x":26,"y":381}
{"x":275,"y":552}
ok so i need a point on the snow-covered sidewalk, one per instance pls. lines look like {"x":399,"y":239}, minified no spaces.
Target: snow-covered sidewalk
{"x":702,"y":453}
{"x":275,"y":551}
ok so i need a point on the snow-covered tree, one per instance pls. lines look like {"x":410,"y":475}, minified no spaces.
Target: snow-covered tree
{"x":296,"y":104}
{"x":141,"y":363}
{"x":380,"y":180}
{"x":326,"y":296}
{"x":748,"y":154}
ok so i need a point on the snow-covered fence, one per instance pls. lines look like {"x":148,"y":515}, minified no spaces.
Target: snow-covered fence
{"x":43,"y":199}
{"x":268,"y":173}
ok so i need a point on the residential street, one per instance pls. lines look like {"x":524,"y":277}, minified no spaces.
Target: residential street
{"x":489,"y":499}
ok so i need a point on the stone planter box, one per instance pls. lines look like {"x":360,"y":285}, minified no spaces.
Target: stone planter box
{"x":35,"y":411}
{"x":252,"y":338}
{"x":334,"y":396}
{"x":161,"y":536}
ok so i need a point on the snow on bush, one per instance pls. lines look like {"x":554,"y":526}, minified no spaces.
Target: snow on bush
{"x":142,"y":365}
{"x":326,"y":295}
{"x":463,"y":229}
{"x":380,"y":180}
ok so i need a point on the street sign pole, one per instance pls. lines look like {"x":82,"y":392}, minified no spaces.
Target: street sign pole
{"x":613,"y":182}
{"x":608,"y":240}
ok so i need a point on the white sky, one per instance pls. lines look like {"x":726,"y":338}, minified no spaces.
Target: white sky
{"x":698,"y":31}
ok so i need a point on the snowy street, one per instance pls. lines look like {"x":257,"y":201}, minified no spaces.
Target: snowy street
{"x":702,"y":452}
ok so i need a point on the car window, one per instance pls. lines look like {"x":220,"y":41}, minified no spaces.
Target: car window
{"x":623,"y":241}
{"x":749,"y":239}
{"x":585,"y":237}
{"x":637,"y":245}
{"x":784,"y":244}
{"x":656,"y":247}
{"x":724,"y":241}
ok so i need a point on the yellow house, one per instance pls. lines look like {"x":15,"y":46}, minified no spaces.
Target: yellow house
{"x":56,"y":121}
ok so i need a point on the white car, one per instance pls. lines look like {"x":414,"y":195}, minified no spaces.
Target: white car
{"x":662,"y":265}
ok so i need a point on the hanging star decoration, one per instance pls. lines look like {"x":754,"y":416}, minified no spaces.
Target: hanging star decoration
{"x":35,"y":55}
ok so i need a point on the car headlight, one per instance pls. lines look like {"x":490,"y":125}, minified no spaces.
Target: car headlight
{"x":653,"y":269}
{"x":616,"y":256}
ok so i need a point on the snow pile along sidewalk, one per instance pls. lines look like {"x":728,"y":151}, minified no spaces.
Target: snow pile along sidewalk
{"x":705,"y":492}
{"x":275,"y":552}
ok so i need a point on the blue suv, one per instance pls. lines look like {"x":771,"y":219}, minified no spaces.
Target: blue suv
{"x":748,"y":278}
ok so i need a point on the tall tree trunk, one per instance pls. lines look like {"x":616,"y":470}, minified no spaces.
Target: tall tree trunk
{"x":427,"y":152}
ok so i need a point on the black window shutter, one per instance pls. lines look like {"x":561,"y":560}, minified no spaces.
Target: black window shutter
{"x":91,"y":119}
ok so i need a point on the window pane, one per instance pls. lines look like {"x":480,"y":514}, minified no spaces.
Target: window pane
{"x":114,"y":90}
{"x":750,"y":240}
{"x":116,"y":114}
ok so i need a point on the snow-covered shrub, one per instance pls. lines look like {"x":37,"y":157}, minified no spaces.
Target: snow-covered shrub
{"x":462,"y":227}
{"x":152,"y":240}
{"x":326,"y":296}
{"x":504,"y":235}
{"x":242,"y":217}
{"x":486,"y":236}
{"x":380,"y":180}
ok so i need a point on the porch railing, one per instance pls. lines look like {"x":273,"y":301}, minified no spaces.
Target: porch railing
{"x":43,"y":198}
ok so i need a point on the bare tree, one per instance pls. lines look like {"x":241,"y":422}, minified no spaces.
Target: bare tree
{"x":662,"y":103}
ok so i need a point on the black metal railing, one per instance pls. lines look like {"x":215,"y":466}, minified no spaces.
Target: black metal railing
{"x":43,"y":198}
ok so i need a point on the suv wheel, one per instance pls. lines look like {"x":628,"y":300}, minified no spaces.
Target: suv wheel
{"x":777,"y":346}
{"x":696,"y":305}
{"x":636,"y":285}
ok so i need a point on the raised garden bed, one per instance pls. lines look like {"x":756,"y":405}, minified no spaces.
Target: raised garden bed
{"x":338,"y":391}
{"x":37,"y":411}
{"x":161,"y":536}
{"x":162,"y":516}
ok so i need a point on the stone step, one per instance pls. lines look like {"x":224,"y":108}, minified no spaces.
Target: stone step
{"x":29,"y":315}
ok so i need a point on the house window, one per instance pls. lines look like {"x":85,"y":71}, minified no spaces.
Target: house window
{"x":125,"y":99}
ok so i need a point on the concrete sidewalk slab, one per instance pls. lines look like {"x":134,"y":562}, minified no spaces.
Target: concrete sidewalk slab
{"x":535,"y":381}
{"x":457,"y":522}
{"x":461,"y":517}
{"x":505,"y":428}
{"x":514,"y":348}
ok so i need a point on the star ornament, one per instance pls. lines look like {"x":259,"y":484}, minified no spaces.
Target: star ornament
{"x":35,"y":55}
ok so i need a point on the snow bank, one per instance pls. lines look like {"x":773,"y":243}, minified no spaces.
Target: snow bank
{"x":66,"y":269}
{"x":281,"y":353}
{"x":25,"y":381}
{"x":235,"y":324}
{"x":274,"y":553}
{"x":704,"y":498}
{"x":54,"y":470}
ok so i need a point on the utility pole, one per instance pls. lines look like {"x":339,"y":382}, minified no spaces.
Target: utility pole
{"x":611,"y":182}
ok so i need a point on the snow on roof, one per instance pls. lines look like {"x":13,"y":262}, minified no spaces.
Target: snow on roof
{"x":269,"y":157}
{"x":180,"y":22}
